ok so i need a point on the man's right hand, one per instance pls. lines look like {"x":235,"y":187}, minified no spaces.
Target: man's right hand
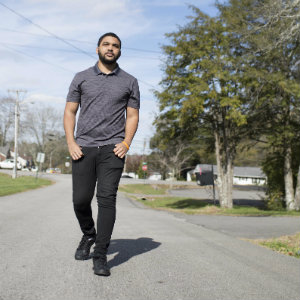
{"x":75,"y":151}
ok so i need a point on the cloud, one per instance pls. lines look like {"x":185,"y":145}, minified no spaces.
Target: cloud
{"x":45,"y":99}
{"x":88,"y":18}
{"x":47,"y":66}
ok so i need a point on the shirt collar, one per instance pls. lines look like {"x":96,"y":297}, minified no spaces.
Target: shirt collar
{"x":98,"y":71}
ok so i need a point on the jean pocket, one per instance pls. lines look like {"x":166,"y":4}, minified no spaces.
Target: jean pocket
{"x":115,"y":161}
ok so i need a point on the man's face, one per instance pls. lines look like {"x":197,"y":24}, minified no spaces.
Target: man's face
{"x":109,"y":50}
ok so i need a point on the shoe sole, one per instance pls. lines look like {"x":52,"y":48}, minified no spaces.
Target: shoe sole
{"x":83,"y":257}
{"x":102,"y":274}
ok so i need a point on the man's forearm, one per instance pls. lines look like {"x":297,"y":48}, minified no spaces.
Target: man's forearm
{"x":130,"y":128}
{"x":69,"y":125}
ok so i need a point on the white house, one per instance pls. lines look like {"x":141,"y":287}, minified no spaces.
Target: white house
{"x":21,"y":160}
{"x":241,"y":175}
{"x":155,"y":176}
{"x":3,"y":152}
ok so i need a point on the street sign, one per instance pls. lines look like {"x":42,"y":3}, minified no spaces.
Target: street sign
{"x":144,"y":167}
{"x":40,"y":157}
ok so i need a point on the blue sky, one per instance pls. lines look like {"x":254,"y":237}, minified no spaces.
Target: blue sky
{"x":43,"y":65}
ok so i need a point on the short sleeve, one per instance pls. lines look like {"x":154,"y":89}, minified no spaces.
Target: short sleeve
{"x":74,"y":94}
{"x":134,"y":99}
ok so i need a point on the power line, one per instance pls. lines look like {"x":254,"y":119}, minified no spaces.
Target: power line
{"x":146,"y":83}
{"x":57,"y":37}
{"x":45,"y":30}
{"x":36,"y":58}
{"x":66,"y":50}
{"x":55,"y":65}
{"x":78,"y":41}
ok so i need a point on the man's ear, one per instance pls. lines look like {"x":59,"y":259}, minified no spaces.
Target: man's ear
{"x":97,"y":50}
{"x":119,"y":54}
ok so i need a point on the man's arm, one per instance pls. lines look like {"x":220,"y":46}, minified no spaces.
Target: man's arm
{"x":132,"y":120}
{"x":69,"y":125}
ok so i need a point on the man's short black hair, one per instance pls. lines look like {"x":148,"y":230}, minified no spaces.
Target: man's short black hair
{"x":109,"y":34}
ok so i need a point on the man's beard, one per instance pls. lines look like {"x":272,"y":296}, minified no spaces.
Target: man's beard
{"x":107,"y":61}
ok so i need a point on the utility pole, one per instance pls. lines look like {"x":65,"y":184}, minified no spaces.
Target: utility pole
{"x":17,"y":115}
{"x":144,"y":149}
{"x":144,"y":167}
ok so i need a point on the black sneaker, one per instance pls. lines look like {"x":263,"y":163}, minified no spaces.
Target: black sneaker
{"x":83,"y":250}
{"x":100,"y":266}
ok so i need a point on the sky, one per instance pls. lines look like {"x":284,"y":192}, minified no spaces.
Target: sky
{"x":44,"y":43}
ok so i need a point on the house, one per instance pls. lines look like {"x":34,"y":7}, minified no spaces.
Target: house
{"x":249,"y":176}
{"x":21,"y":160}
{"x":4,"y":151}
{"x":155,"y":176}
{"x":241,"y":175}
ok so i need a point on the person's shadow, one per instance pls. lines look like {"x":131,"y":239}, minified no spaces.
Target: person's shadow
{"x":127,"y":248}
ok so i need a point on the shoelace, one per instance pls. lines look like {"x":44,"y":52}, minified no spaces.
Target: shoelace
{"x":84,"y":242}
{"x":101,"y":261}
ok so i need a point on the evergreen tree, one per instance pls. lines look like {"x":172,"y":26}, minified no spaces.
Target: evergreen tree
{"x":272,"y":82}
{"x":202,"y":88}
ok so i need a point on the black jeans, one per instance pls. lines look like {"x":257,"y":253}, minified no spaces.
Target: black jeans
{"x":102,"y":165}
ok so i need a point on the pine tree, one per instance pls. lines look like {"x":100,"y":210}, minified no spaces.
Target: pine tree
{"x":202,"y":87}
{"x":272,"y":81}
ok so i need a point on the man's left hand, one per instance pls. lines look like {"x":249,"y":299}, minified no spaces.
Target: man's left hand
{"x":120,"y":150}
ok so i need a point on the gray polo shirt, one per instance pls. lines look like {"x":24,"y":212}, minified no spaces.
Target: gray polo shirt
{"x":103,"y":99}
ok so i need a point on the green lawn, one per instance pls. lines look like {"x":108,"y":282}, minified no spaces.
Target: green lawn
{"x":156,"y":196}
{"x":146,"y":189}
{"x":20,"y":184}
{"x":196,"y":206}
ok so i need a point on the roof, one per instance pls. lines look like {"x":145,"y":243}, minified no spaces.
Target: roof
{"x":4,"y":149}
{"x":252,"y":172}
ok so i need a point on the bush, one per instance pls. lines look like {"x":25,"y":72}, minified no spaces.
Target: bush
{"x":275,"y":201}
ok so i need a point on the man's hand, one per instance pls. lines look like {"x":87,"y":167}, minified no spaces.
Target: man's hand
{"x":120,"y":150}
{"x":75,"y":151}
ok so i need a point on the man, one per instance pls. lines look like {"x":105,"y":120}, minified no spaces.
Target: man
{"x":104,"y":93}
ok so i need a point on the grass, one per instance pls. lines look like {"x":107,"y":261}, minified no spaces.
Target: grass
{"x":10,"y":186}
{"x":288,"y":244}
{"x":196,"y":206}
{"x":156,"y":196}
{"x":146,"y":189}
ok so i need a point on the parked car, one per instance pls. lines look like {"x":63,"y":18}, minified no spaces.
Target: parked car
{"x":126,"y":176}
{"x":53,"y":170}
{"x":34,"y":169}
{"x":9,"y":164}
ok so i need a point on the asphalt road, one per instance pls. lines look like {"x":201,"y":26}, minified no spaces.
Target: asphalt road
{"x":153,"y":255}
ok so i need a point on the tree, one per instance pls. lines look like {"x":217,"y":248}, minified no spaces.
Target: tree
{"x":43,"y":128}
{"x":281,"y":14}
{"x":272,"y":52}
{"x":7,"y":108}
{"x":174,"y":157}
{"x":202,"y":87}
{"x":41,"y":122}
{"x":133,"y":162}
